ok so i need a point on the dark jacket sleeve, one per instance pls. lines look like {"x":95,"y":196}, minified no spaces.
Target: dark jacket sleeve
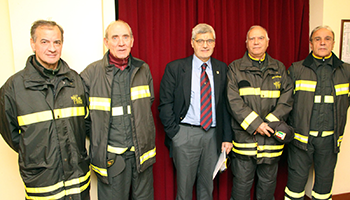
{"x":9,"y":127}
{"x":84,"y":76}
{"x":167,"y":99}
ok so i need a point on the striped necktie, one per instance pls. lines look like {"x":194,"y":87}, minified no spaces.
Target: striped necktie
{"x":206,"y":118}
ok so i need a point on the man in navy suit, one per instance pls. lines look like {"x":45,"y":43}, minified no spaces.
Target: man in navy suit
{"x":195,"y":136}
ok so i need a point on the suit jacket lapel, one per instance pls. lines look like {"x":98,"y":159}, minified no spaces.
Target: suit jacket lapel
{"x":187,"y":79}
{"x":217,"y":79}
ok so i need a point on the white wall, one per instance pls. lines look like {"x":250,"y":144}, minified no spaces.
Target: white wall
{"x":83,"y":22}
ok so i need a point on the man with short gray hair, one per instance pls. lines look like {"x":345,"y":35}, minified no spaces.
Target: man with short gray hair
{"x":321,"y":101}
{"x":193,"y":111}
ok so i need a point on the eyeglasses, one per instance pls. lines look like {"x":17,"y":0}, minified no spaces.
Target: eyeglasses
{"x":201,"y":42}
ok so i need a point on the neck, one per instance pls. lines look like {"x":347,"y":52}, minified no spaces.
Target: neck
{"x":257,"y":58}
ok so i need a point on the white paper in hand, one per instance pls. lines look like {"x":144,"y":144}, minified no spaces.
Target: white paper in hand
{"x":221,"y":164}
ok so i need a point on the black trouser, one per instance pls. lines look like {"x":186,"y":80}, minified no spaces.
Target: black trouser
{"x":321,"y":153}
{"x":243,"y":177}
{"x":119,"y":187}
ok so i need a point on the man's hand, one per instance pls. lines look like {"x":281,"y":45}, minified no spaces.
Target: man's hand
{"x":264,"y":129}
{"x":226,"y":146}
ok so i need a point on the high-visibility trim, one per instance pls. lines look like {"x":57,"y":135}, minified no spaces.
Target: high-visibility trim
{"x":245,"y":152}
{"x":340,"y":139}
{"x":317,"y":99}
{"x":269,"y":155}
{"x":128,"y":108}
{"x":317,"y":57}
{"x":270,"y":94}
{"x":323,"y":134}
{"x":249,"y":91}
{"x":262,"y":59}
{"x":61,"y":194}
{"x":321,"y":196}
{"x":47,"y":115}
{"x":249,"y":119}
{"x":296,"y":195}
{"x":286,"y":198}
{"x":100,"y":103}
{"x":272,"y":118}
{"x":328,"y":99}
{"x":342,"y":89}
{"x":301,"y":138}
{"x":271,"y":147}
{"x":149,"y":154}
{"x":117,"y":111}
{"x":305,"y":85}
{"x":118,"y":150}
{"x":244,"y":145}
{"x":62,"y":184}
{"x":101,"y":171}
{"x":140,"y":92}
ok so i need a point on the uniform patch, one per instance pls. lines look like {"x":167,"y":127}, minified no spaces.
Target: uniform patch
{"x":277,"y":84}
{"x":281,"y":135}
{"x":76,"y":99}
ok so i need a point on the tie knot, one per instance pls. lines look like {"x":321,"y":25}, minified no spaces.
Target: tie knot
{"x":204,"y":66}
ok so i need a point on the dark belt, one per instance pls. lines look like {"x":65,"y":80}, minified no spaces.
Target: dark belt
{"x":190,"y":125}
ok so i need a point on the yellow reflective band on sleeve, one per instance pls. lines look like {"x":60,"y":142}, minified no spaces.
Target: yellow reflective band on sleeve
{"x":249,"y":91}
{"x":321,"y":196}
{"x":69,"y":112}
{"x":47,"y":115}
{"x":304,"y":85}
{"x":147,"y":155}
{"x":295,"y":195}
{"x":100,"y":103}
{"x":270,"y":94}
{"x":269,"y":155}
{"x":248,"y":120}
{"x":272,"y":118}
{"x":140,"y":92}
{"x":342,"y":89}
{"x":340,"y":139}
{"x":35,"y":118}
{"x":244,"y":145}
{"x":102,"y":172}
{"x":50,"y":189}
{"x":301,"y":138}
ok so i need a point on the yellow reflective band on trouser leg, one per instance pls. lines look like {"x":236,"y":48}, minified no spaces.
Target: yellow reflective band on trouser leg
{"x":249,"y":119}
{"x":118,"y":150}
{"x":63,"y":184}
{"x":296,"y":195}
{"x":149,"y":154}
{"x":321,"y":196}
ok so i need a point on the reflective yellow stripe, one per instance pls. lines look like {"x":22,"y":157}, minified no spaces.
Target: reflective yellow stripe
{"x":304,"y":85}
{"x":102,"y":172}
{"x":249,"y":91}
{"x":62,"y":193}
{"x":118,"y":150}
{"x":258,"y":92}
{"x":34,"y":118}
{"x":269,"y":155}
{"x":342,"y":89}
{"x":294,"y":194}
{"x":272,"y":118}
{"x":147,"y":155}
{"x":317,"y":99}
{"x":47,"y":115}
{"x":69,"y":112}
{"x":327,"y":99}
{"x":128,"y":109}
{"x":244,"y":145}
{"x":245,"y":152}
{"x":52,"y":188}
{"x":248,"y":120}
{"x":324,"y":133}
{"x":270,"y":93}
{"x":270,"y":147}
{"x":100,"y":103}
{"x":140,"y":92}
{"x":301,"y":138}
{"x":321,"y":196}
{"x":118,"y":111}
{"x":340,"y":139}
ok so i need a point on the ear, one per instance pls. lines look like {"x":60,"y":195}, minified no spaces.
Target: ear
{"x":105,"y":42}
{"x":132,"y":42}
{"x":32,"y":44}
{"x":192,"y":43}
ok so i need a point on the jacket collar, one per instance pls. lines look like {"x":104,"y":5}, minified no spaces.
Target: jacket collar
{"x":310,"y":59}
{"x":247,"y":63}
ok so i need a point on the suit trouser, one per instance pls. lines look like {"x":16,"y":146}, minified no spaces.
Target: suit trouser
{"x":194,"y":156}
{"x":243,"y":177}
{"x":321,"y":153}
{"x":119,"y":187}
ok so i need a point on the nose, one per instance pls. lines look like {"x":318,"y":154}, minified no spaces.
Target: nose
{"x":52,"y":47}
{"x":121,"y":42}
{"x":256,"y":41}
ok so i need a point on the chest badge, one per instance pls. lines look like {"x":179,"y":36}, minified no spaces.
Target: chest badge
{"x":76,"y":99}
{"x":277,"y":84}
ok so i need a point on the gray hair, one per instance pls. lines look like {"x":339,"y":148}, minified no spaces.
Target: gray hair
{"x":202,"y":28}
{"x":47,"y":23}
{"x":321,"y":27}
{"x":256,"y":26}
{"x":114,"y":22}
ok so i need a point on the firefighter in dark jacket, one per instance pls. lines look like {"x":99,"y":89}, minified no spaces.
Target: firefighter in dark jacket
{"x":321,"y":100}
{"x":42,"y":110}
{"x":259,"y":91}
{"x":120,"y":91}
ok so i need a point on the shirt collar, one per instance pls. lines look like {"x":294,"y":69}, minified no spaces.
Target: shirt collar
{"x":198,"y":63}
